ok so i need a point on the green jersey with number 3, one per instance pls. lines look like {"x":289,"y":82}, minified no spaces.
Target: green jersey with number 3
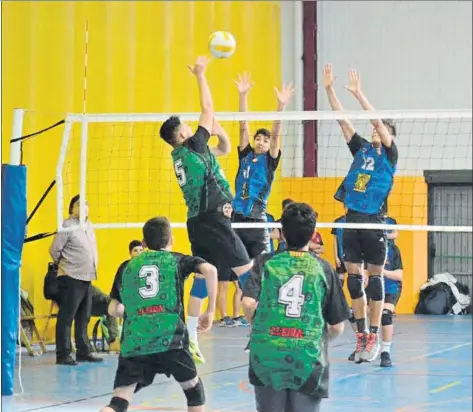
{"x":201,"y":180}
{"x":152,"y":292}
{"x":287,"y":343}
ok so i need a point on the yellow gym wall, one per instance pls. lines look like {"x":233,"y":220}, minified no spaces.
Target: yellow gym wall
{"x":138,"y":52}
{"x":407,"y":204}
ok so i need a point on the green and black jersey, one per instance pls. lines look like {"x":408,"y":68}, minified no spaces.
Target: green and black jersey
{"x":298,"y":295}
{"x":199,"y":175}
{"x":151,"y":288}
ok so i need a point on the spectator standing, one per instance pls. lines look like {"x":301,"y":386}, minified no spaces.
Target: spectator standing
{"x":75,"y":254}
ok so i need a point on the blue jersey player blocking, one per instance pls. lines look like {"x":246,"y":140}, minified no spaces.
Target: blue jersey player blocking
{"x":257,"y":167}
{"x":364,"y":193}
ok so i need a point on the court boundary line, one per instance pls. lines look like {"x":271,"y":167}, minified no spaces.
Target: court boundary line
{"x":342,"y":378}
{"x":166,"y":382}
{"x":414,"y":358}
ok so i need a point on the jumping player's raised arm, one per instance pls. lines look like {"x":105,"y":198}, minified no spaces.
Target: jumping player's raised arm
{"x":284,"y":96}
{"x":354,"y":87}
{"x":206,"y":104}
{"x":244,"y":85}
{"x":329,"y":79}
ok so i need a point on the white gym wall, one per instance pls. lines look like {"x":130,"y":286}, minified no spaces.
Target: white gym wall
{"x":411,"y":55}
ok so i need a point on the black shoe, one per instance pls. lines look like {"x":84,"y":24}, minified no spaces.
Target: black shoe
{"x":68,"y":360}
{"x":88,"y":358}
{"x":385,"y":360}
{"x":351,"y":358}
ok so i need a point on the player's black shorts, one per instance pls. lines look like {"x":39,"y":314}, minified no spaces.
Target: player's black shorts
{"x":364,"y":245}
{"x":226,"y":275}
{"x":212,"y":238}
{"x":256,"y":241}
{"x":142,"y":369}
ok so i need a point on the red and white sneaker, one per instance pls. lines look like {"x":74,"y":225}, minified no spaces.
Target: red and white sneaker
{"x":360,"y":347}
{"x":372,"y":348}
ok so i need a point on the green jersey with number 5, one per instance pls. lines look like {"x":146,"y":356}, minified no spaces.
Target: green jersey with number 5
{"x":151,"y":289}
{"x":200,"y":178}
{"x":287,"y":345}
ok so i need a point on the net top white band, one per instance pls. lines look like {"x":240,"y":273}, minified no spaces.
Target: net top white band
{"x":376,"y":226}
{"x":271,"y":116}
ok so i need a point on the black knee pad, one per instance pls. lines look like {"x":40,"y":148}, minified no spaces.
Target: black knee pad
{"x":119,"y":404}
{"x":355,"y":286}
{"x":196,"y":395}
{"x":375,"y":288}
{"x":352,"y":319}
{"x":387,"y":317}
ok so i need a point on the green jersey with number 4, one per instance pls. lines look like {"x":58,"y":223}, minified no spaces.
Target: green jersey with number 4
{"x":287,"y":343}
{"x":152,"y":292}
{"x":201,"y":180}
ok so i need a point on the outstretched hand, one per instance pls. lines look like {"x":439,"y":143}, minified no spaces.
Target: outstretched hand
{"x":200,"y":65}
{"x":354,"y":81}
{"x":329,"y":78}
{"x":244,"y":83}
{"x":285,"y":94}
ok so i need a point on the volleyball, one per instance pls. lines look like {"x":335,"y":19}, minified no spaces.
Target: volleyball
{"x":222,"y":44}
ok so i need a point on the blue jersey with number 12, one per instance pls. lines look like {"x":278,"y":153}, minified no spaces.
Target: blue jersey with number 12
{"x":369,"y":180}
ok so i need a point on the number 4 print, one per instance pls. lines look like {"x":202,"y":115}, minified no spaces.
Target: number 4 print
{"x":290,"y":295}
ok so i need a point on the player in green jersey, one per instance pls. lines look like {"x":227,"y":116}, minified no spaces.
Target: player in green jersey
{"x":148,"y":294}
{"x":300,"y":306}
{"x":207,"y":195}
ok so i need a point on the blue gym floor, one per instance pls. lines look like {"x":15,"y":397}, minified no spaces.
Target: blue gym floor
{"x":432,"y":372}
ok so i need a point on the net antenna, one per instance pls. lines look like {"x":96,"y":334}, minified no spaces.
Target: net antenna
{"x":83,"y":153}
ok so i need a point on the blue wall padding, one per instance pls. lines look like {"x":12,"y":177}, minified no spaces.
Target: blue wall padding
{"x":13,"y":236}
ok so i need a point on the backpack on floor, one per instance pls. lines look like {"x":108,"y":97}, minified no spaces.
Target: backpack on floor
{"x":435,"y":300}
{"x":442,"y":295}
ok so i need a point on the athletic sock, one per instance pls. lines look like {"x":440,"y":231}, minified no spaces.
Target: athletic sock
{"x":361,"y":325}
{"x":374,"y":329}
{"x":192,"y":324}
{"x":386,"y":347}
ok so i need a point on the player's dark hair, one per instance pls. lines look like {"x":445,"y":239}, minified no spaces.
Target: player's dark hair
{"x":133,"y":244}
{"x":286,"y":202}
{"x":390,"y":125}
{"x":264,"y":132}
{"x":298,"y":225}
{"x":168,"y":130}
{"x":157,"y":233}
{"x":73,"y":202}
